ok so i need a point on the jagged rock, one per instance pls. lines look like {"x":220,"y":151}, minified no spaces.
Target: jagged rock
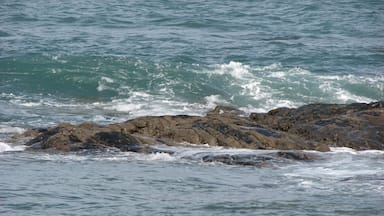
{"x":88,"y":136}
{"x":359,"y":126}
{"x":284,"y":118}
{"x":215,"y":129}
{"x":311,"y":127}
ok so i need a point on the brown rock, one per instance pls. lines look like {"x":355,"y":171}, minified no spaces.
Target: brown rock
{"x":359,"y":126}
{"x":216,"y":129}
{"x":311,"y":127}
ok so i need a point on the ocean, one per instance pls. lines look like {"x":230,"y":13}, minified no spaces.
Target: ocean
{"x":111,"y":61}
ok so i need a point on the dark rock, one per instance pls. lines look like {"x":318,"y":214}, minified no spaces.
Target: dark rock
{"x":264,"y":131}
{"x":240,"y":159}
{"x":297,"y":155}
{"x":215,"y":130}
{"x":67,"y":137}
{"x":284,"y":118}
{"x":359,"y":126}
{"x":260,"y":160}
{"x":311,"y":127}
{"x":115,"y":139}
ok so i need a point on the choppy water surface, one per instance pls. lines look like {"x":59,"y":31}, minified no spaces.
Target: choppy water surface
{"x":109,"y":61}
{"x":343,"y":182}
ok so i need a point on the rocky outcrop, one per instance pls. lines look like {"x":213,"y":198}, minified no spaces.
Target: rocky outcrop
{"x":359,"y":126}
{"x":87,"y":136}
{"x":311,"y":127}
{"x":221,"y":127}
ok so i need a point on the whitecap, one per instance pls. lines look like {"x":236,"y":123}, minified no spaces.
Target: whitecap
{"x":342,"y":150}
{"x":214,"y":100}
{"x":159,"y":156}
{"x":107,"y":79}
{"x":235,"y":69}
{"x":5,"y":129}
{"x":4,"y":147}
{"x":335,"y":150}
{"x":372,"y":152}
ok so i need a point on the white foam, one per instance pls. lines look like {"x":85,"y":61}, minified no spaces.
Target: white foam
{"x":62,"y":157}
{"x":272,"y":67}
{"x":58,"y":58}
{"x":10,"y":130}
{"x":136,"y":107}
{"x":250,"y":88}
{"x":119,"y":156}
{"x":214,"y":100}
{"x":8,"y":147}
{"x":341,"y":95}
{"x":268,"y":86}
{"x":7,"y":95}
{"x":103,"y":83}
{"x":4,"y":147}
{"x":353,"y":151}
{"x":101,"y":87}
{"x":31,"y":104}
{"x":160,"y":157}
{"x":235,"y":69}
{"x":342,"y":150}
{"x":298,"y":71}
{"x":144,"y":104}
{"x":372,"y":152}
{"x":37,"y":100}
{"x":345,"y":96}
{"x":125,"y":107}
{"x":107,"y":79}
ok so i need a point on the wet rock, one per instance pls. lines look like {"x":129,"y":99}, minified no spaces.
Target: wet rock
{"x":240,"y":159}
{"x":311,"y":127}
{"x":261,"y":160}
{"x":215,"y":129}
{"x":359,"y":126}
{"x":297,"y":155}
{"x":284,"y":118}
{"x":89,"y":136}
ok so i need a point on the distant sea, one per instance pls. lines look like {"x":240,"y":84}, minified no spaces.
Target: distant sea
{"x":110,"y":61}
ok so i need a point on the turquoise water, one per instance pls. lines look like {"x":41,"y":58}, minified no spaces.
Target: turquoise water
{"x":109,"y":61}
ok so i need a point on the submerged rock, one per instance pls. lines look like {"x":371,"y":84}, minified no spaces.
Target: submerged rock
{"x":240,"y":159}
{"x":311,"y":127}
{"x":260,"y":160}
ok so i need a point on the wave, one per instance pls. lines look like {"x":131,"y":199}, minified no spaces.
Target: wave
{"x":5,"y":147}
{"x":338,"y":150}
{"x":5,"y":129}
{"x":340,"y":162}
{"x":117,"y":88}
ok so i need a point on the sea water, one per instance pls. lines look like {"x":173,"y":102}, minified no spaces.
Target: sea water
{"x":342,"y":182}
{"x":110,"y":61}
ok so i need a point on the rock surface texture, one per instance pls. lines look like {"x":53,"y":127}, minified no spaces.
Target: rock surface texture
{"x":359,"y":126}
{"x":311,"y":127}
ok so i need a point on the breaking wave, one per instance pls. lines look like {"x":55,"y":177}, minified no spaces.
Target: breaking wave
{"x":111,"y":89}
